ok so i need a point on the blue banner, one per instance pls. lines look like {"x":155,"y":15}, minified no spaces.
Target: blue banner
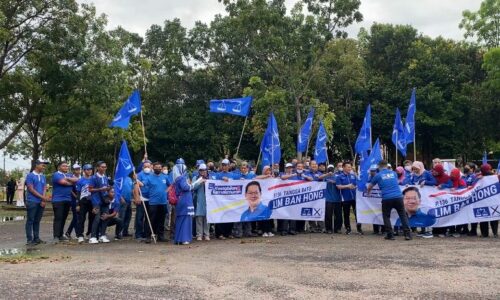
{"x":410,"y":119}
{"x":363,"y":142}
{"x":398,"y":134}
{"x":320,"y":151}
{"x":130,"y":108}
{"x":305,"y":132}
{"x":270,"y":146}
{"x":237,"y":106}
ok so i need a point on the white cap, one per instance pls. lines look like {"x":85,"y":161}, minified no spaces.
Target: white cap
{"x":266,"y":167}
{"x":225,"y":161}
{"x":330,"y":166}
{"x":288,"y":165}
{"x":202,"y":167}
{"x":76,"y":166}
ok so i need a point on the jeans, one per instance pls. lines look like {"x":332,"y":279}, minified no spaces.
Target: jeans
{"x":287,"y":226}
{"x":346,"y":207}
{"x":397,"y":204}
{"x":98,"y":225}
{"x":61,"y":210}
{"x":157,"y":214}
{"x":85,"y":209}
{"x":34,"y":213}
{"x":239,"y":229}
{"x":202,"y":228}
{"x":74,"y":220}
{"x":333,"y":209}
{"x":140,"y":220}
{"x":125,"y":215}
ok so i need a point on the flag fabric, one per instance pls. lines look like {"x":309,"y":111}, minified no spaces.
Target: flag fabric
{"x":485,"y":157}
{"x":398,"y":134}
{"x":363,"y":142}
{"x":410,"y":119}
{"x":320,"y":151}
{"x":124,"y":167}
{"x":498,"y":167}
{"x":305,"y":132}
{"x":374,"y":158}
{"x":130,"y":108}
{"x":237,"y":106}
{"x":270,"y":146}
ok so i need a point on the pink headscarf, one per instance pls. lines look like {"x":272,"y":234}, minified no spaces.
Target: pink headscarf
{"x":401,"y":173}
{"x":420,"y":166}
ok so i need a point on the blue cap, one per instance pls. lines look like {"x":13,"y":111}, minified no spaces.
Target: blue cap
{"x":147,"y":161}
{"x":180,"y":161}
{"x":87,"y":167}
{"x":199,"y":162}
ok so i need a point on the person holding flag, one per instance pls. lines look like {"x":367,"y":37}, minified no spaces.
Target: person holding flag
{"x":157,"y":185}
{"x":84,"y":202}
{"x":346,"y":183}
{"x":123,"y":184}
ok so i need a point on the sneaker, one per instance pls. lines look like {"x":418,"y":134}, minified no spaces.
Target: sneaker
{"x":221,"y":237}
{"x":441,"y":235}
{"x":265,"y":234}
{"x":408,"y":236}
{"x":456,"y":235}
{"x":207,"y":238}
{"x":104,"y":239}
{"x":199,"y":238}
{"x":390,"y":237}
{"x":68,"y":235}
{"x":81,"y":240}
{"x":63,"y":239}
{"x":292,"y":233}
{"x":118,"y":238}
{"x":93,"y":240}
{"x":270,"y":234}
{"x":360,"y":232}
{"x":30,"y":243}
{"x":348,"y":232}
{"x":427,"y":235}
{"x":185,"y":243}
{"x":55,"y":241}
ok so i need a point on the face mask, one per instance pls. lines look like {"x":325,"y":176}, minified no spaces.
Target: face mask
{"x":157,"y":172}
{"x":165,"y":172}
{"x":211,"y":168}
{"x":299,"y":171}
{"x":408,"y":168}
{"x":147,"y":170}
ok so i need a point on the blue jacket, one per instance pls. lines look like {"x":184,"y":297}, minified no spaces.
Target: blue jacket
{"x":184,"y":206}
{"x":426,"y":176}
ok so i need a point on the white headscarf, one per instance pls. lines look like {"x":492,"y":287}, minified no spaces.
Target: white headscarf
{"x":179,"y":170}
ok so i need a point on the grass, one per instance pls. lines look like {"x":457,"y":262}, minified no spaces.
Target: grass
{"x":21,"y":258}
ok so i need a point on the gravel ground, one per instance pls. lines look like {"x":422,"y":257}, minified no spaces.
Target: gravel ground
{"x":306,"y":266}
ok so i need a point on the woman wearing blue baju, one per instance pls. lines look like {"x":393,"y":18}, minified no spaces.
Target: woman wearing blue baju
{"x":184,"y":210}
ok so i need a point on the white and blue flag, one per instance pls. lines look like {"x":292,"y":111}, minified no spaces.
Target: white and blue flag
{"x":410,"y":119}
{"x":320,"y":151}
{"x":305,"y":132}
{"x":130,"y":108}
{"x":124,"y":167}
{"x":398,"y":134}
{"x":237,"y":106}
{"x":270,"y":146}
{"x":363,"y":142}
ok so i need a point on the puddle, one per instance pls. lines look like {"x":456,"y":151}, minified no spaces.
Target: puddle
{"x":12,"y":219}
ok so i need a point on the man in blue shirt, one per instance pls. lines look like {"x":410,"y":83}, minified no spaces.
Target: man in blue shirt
{"x":36,"y":200}
{"x":256,"y":211}
{"x":224,"y":174}
{"x":84,"y":203}
{"x":141,"y":205}
{"x":287,"y":226}
{"x":125,"y":213}
{"x":346,"y":183}
{"x":332,"y":201}
{"x":99,"y":187}
{"x":241,"y":229}
{"x":157,"y":185}
{"x":223,"y":230}
{"x":316,"y":175}
{"x":392,"y":198}
{"x":62,"y":183}
{"x":77,"y":174}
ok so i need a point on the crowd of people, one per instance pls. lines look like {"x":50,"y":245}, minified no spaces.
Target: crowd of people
{"x":87,"y":192}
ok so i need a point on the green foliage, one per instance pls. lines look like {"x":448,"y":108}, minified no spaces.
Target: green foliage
{"x":483,"y":24}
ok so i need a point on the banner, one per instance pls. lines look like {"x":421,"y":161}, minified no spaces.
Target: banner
{"x":263,"y":199}
{"x":437,"y":208}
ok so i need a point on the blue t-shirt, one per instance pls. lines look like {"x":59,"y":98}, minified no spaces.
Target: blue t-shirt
{"x":332,"y":192}
{"x":38,"y":182}
{"x":469,"y":179}
{"x":221,"y":175}
{"x":144,"y":189}
{"x":246,"y":176}
{"x":97,"y":182}
{"x":61,"y":192}
{"x":315,"y":175}
{"x":127,"y":189}
{"x":82,"y":186}
{"x":345,"y":179}
{"x":157,"y":186}
{"x":420,"y":219}
{"x":388,"y":183}
{"x":261,"y":212}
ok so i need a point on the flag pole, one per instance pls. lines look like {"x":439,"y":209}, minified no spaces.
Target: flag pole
{"x":414,"y":145}
{"x":144,"y":134}
{"x":153,"y":235}
{"x":397,"y":140}
{"x":241,"y":137}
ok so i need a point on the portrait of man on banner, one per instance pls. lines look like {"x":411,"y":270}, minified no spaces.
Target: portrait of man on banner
{"x":412,"y":201}
{"x":257,"y":211}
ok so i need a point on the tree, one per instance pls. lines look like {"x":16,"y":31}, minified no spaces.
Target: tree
{"x":483,"y":24}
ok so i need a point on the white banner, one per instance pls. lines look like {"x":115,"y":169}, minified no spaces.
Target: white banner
{"x":438,"y":208}
{"x":263,"y":199}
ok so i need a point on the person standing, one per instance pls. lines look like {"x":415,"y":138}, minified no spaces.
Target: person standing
{"x":35,"y":204}
{"x":287,"y":226}
{"x":77,"y":174}
{"x":84,"y":202}
{"x":333,"y":202}
{"x":243,"y":229}
{"x":20,"y":192}
{"x":125,"y":213}
{"x":392,"y":198}
{"x":141,"y":204}
{"x":99,"y":187}
{"x":346,"y":183}
{"x":157,"y":185}
{"x":316,"y":175}
{"x":62,"y":183}
{"x":202,"y":227}
{"x":223,"y":230}
{"x":11,"y":190}
{"x":184,"y":210}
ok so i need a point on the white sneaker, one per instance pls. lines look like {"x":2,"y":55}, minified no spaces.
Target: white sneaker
{"x":93,"y":241}
{"x":270,"y":234}
{"x":265,"y":234}
{"x":80,"y":239}
{"x":104,"y":239}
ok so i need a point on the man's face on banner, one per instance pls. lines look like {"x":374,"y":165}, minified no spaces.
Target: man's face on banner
{"x":253,"y":196}
{"x":411,"y":202}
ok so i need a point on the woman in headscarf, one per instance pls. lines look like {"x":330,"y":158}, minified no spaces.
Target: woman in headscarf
{"x":402,"y":179}
{"x":486,"y":170}
{"x":420,"y":176}
{"x":184,"y":210}
{"x":442,"y":179}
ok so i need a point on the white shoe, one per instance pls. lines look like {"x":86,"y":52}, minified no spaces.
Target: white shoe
{"x":81,"y":239}
{"x":93,"y":241}
{"x":104,"y":239}
{"x":265,"y":234}
{"x":270,"y":234}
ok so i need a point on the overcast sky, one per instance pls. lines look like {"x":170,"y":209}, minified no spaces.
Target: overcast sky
{"x":432,"y":17}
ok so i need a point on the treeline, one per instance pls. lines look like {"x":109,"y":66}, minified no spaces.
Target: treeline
{"x":63,"y":76}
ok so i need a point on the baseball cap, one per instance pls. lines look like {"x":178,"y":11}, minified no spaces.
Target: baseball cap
{"x":76,"y":166}
{"x":289,"y":165}
{"x":330,"y":166}
{"x":225,"y":161}
{"x":202,"y":167}
{"x":199,"y":162}
{"x":373,"y":167}
{"x":87,"y":167}
{"x":180,"y":161}
{"x":41,"y":162}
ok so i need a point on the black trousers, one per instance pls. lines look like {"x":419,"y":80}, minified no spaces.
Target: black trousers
{"x":10,"y":197}
{"x":61,"y":210}
{"x":223,"y":229}
{"x":346,"y":207}
{"x":267,"y":225}
{"x":300,"y":226}
{"x":85,"y":210}
{"x":286,"y":225}
{"x":157,"y":214}
{"x":333,"y":210}
{"x":118,"y":222}
{"x":398,"y":205}
{"x":485,"y":230}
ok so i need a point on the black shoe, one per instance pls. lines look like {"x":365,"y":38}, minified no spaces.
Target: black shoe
{"x":126,"y":235}
{"x":348,"y":232}
{"x":63,"y":239}
{"x":390,"y":237}
{"x":328,"y":232}
{"x":292,"y":232}
{"x":39,"y":241}
{"x":283,"y":233}
{"x":147,"y":241}
{"x":118,"y":238}
{"x":31,"y":243}
{"x":163,"y":240}
{"x":360,"y":232}
{"x":408,"y":236}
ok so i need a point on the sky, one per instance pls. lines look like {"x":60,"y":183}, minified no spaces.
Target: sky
{"x":431,"y":17}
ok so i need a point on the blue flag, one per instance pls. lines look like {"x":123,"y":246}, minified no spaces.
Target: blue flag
{"x":270,"y":146}
{"x":410,"y":119}
{"x":363,"y":142}
{"x":374,"y":158}
{"x":305,"y":132}
{"x":485,"y":157}
{"x":498,"y":167}
{"x":130,"y":108}
{"x":398,"y":134}
{"x":124,"y":167}
{"x":320,"y":151}
{"x":238,"y":106}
